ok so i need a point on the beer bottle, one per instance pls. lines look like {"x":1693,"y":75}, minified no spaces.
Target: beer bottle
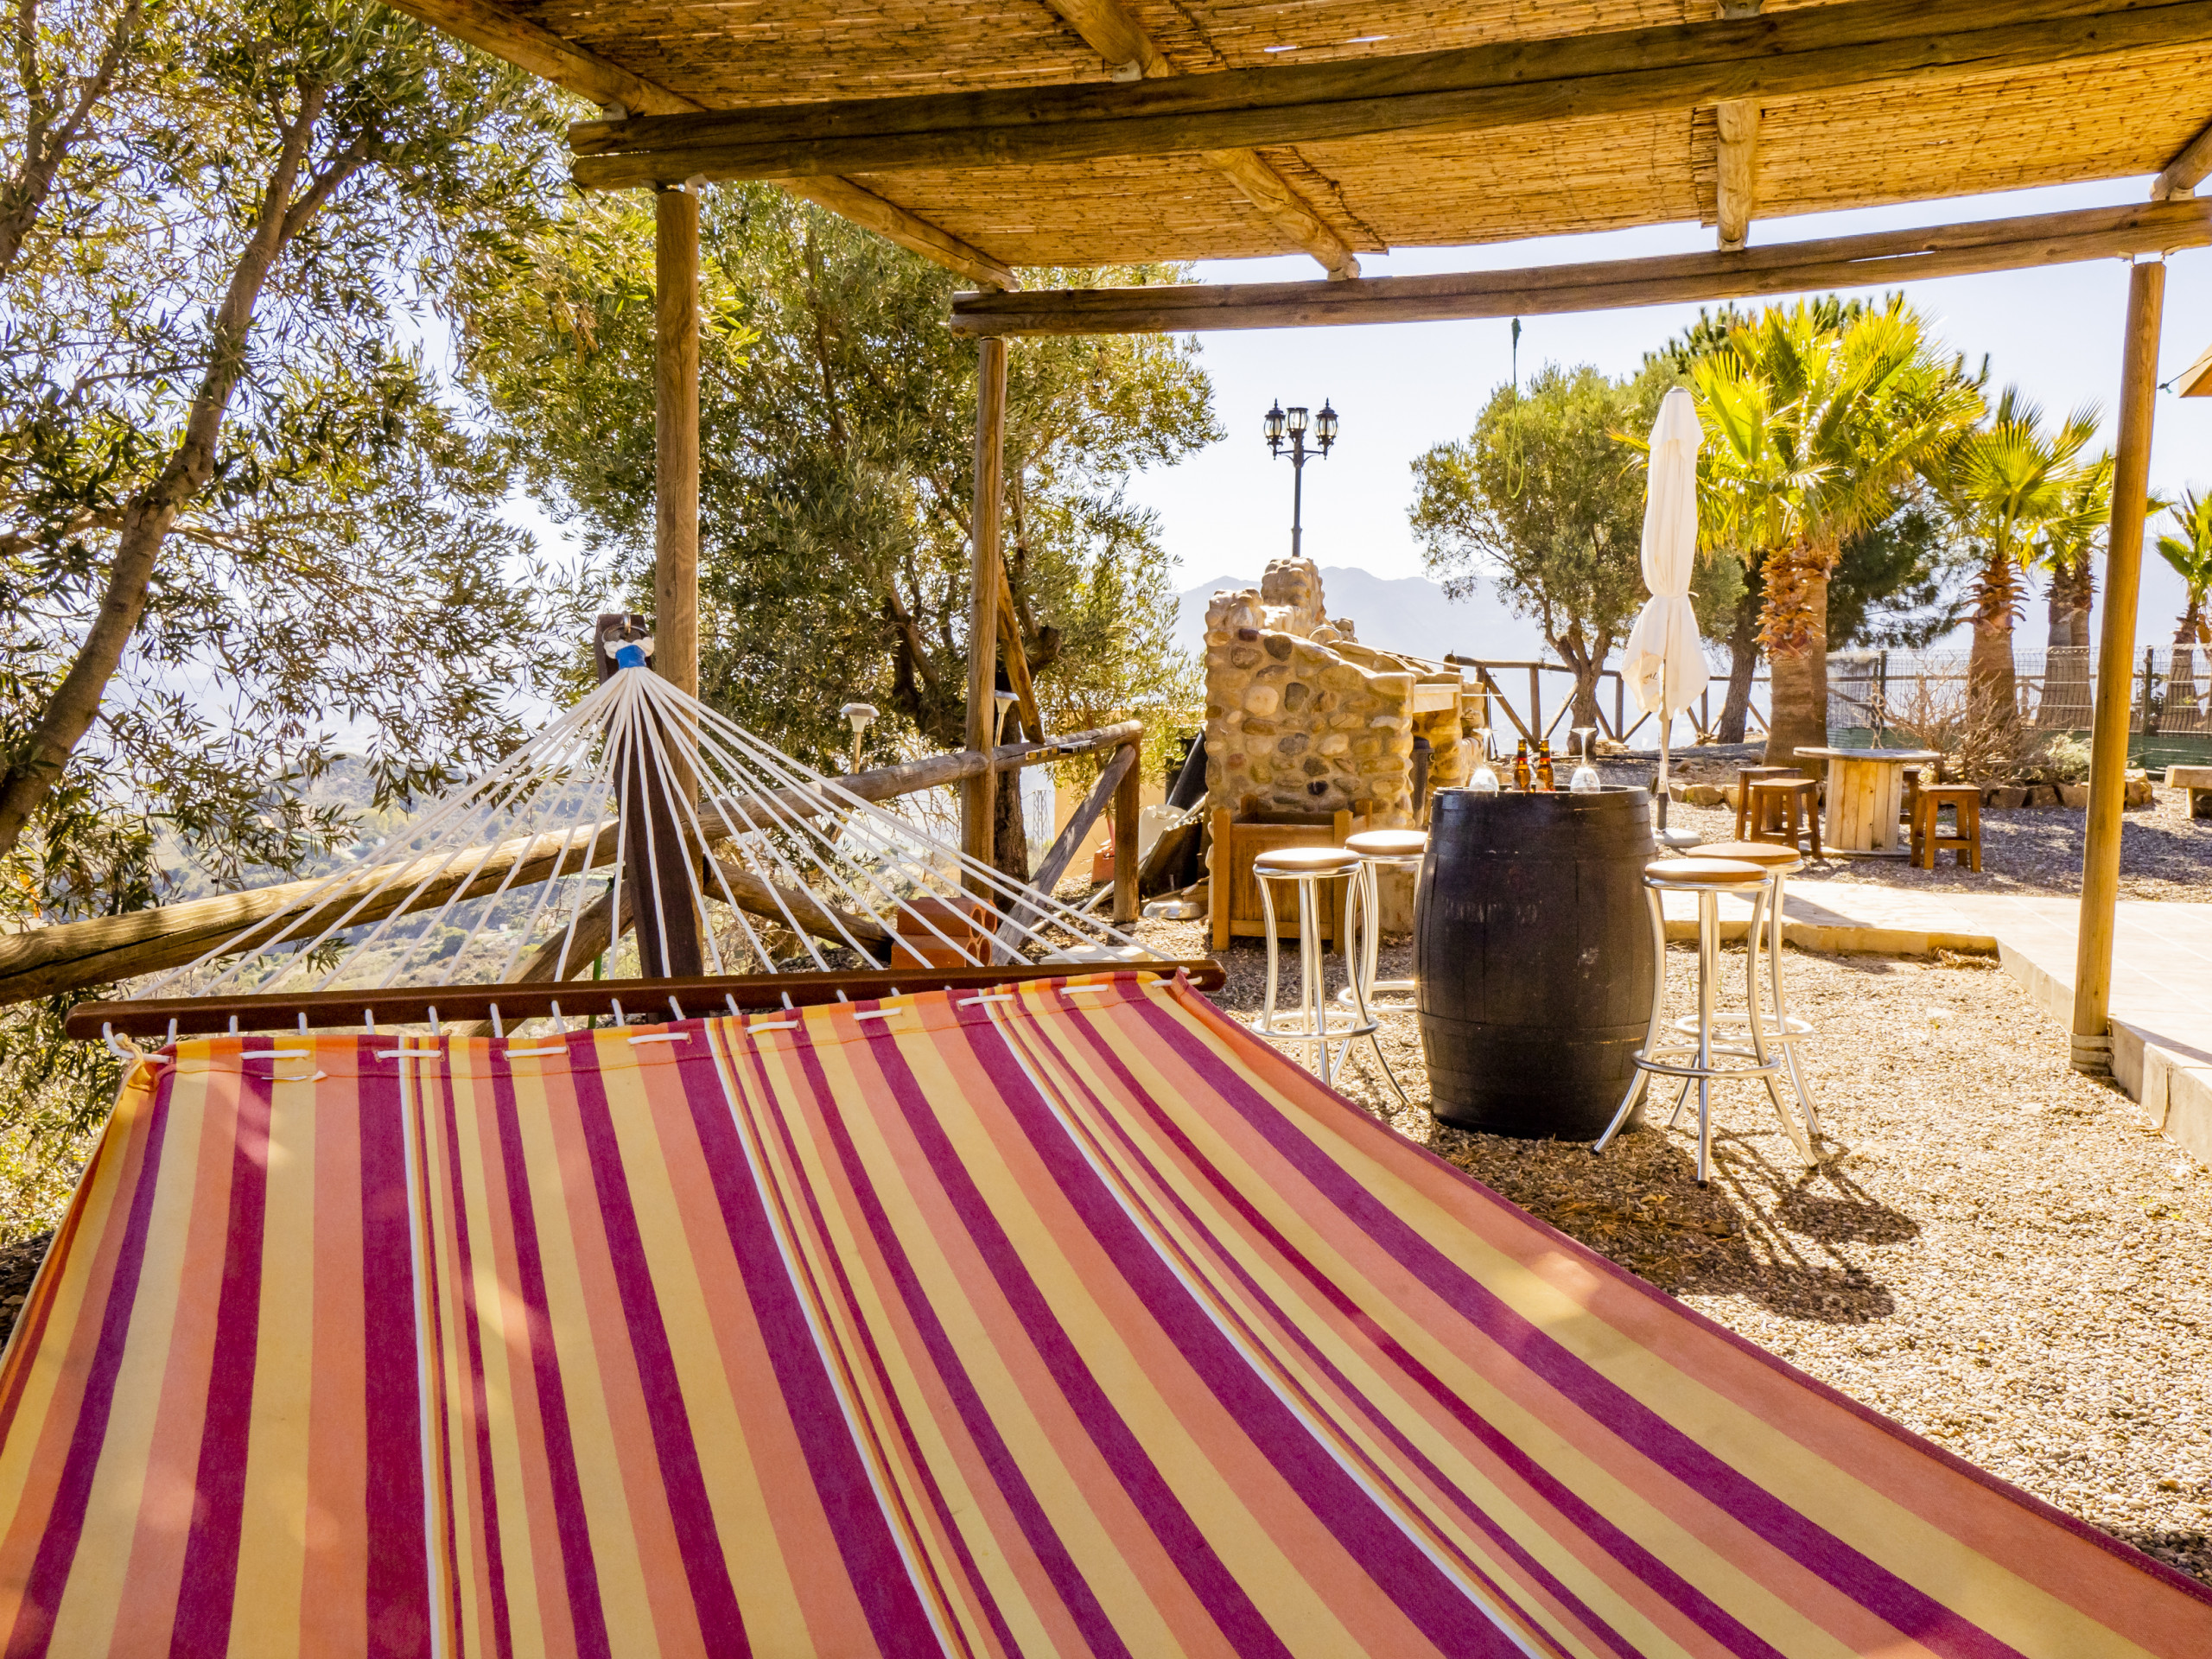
{"x":1545,"y":781}
{"x":1523,"y":779}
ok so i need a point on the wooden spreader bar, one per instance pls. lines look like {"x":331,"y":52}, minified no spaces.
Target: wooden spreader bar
{"x":639,"y":999}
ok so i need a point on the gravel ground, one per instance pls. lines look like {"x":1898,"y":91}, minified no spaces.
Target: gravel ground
{"x":18,"y":1266}
{"x":2164,"y":852}
{"x":1996,"y":1252}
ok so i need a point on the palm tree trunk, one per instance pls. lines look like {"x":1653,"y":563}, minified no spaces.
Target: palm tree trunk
{"x":1993,"y":701}
{"x":1795,"y":631}
{"x":2065,"y":703}
{"x":2182,"y":713}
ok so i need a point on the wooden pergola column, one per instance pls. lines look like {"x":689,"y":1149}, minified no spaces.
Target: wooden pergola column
{"x":977,"y":798}
{"x":2139,"y":391}
{"x":676,"y":437}
{"x":669,"y":932}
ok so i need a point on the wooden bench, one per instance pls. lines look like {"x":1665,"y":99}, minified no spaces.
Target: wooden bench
{"x":2197,"y":780}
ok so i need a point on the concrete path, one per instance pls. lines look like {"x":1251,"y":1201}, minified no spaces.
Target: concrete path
{"x":2162,"y":971}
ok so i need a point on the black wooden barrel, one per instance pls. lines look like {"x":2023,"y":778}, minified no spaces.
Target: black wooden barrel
{"x":1533,"y":954}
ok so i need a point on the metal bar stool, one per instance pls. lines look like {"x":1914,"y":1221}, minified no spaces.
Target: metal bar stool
{"x":1665,"y":1053}
{"x":1315,"y":1022}
{"x":1780,"y":1027}
{"x":1378,"y":850}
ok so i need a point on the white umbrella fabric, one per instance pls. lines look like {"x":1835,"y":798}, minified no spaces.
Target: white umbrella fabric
{"x":1664,"y":664}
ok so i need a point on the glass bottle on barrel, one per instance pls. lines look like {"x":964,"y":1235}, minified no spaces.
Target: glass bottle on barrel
{"x":1546,"y":781}
{"x":1524,"y":780}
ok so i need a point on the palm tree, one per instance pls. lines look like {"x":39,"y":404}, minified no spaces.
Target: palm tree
{"x":2069,"y":552}
{"x":2191,"y":555}
{"x":2007,"y":484}
{"x":1813,"y":423}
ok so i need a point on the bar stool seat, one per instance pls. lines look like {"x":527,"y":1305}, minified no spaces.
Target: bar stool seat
{"x":1315,"y":1023}
{"x":1693,"y":1054}
{"x":1317,"y":861}
{"x":1388,"y":844}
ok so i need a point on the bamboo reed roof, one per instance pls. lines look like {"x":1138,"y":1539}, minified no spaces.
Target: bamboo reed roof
{"x":2099,"y":116}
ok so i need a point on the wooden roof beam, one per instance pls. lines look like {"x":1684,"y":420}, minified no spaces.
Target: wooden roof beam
{"x":1737,"y":189}
{"x":2187,"y":170}
{"x":1787,"y":268}
{"x":1805,"y":51}
{"x":1109,"y":29}
{"x":524,"y":44}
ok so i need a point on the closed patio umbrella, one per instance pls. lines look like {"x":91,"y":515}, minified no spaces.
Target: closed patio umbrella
{"x":1663,"y":664}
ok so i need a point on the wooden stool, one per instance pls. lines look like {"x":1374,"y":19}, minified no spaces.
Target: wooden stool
{"x":2197,"y":780}
{"x":1795,"y":802}
{"x":1965,"y":837}
{"x":1911,"y":775}
{"x":1746,"y":777}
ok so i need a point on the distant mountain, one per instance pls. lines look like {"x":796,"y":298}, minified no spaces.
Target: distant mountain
{"x":1408,"y":613}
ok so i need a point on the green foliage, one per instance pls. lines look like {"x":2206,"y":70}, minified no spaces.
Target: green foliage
{"x":2190,"y":556}
{"x":1547,"y":500}
{"x":2012,"y":490}
{"x":837,"y":420}
{"x":1815,"y":416}
{"x":242,"y":531}
{"x":1895,"y":583}
{"x":344,"y":573}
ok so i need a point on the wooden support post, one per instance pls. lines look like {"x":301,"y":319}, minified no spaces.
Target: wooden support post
{"x":2139,"y":391}
{"x":1737,"y":190}
{"x":669,"y":930}
{"x":983,"y":593}
{"x":1126,"y":799}
{"x":676,"y":438}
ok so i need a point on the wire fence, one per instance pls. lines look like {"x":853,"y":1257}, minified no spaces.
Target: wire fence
{"x":2170,"y":689}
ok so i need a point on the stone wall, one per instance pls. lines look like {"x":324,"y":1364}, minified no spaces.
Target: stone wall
{"x":1301,"y":719}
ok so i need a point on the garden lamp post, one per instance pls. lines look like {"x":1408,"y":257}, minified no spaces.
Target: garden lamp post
{"x":1290,"y":426}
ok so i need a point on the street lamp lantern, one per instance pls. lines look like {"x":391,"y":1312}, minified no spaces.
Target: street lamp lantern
{"x":1293,"y":422}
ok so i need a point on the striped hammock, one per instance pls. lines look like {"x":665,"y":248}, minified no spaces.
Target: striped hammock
{"x":1065,"y":1320}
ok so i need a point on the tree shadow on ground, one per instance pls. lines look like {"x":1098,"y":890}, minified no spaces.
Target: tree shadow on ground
{"x":1771,"y":1232}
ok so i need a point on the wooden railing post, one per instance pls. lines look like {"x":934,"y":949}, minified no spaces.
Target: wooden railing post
{"x":2138,"y":391}
{"x":1127,"y":797}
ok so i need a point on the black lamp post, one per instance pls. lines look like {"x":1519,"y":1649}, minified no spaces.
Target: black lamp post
{"x":1292,"y":425}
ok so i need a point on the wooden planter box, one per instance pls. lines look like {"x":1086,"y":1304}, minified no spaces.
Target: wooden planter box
{"x":1234,"y":895}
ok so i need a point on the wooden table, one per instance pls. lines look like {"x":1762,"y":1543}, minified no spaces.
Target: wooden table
{"x":1865,"y":791}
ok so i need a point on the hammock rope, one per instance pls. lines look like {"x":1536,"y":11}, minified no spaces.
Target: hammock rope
{"x":761,"y":841}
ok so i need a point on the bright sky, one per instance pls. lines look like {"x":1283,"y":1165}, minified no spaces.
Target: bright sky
{"x":1402,"y":387}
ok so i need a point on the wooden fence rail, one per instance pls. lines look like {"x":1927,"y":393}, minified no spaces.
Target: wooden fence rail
{"x":1536,"y":729}
{"x":104,"y":950}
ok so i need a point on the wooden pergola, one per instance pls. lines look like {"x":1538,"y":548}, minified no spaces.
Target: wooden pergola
{"x":989,"y":135}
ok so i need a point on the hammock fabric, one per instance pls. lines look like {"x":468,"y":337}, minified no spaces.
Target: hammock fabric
{"x":1068,"y":1320}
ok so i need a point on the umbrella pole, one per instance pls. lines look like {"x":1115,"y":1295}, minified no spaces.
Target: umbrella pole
{"x":1665,"y":725}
